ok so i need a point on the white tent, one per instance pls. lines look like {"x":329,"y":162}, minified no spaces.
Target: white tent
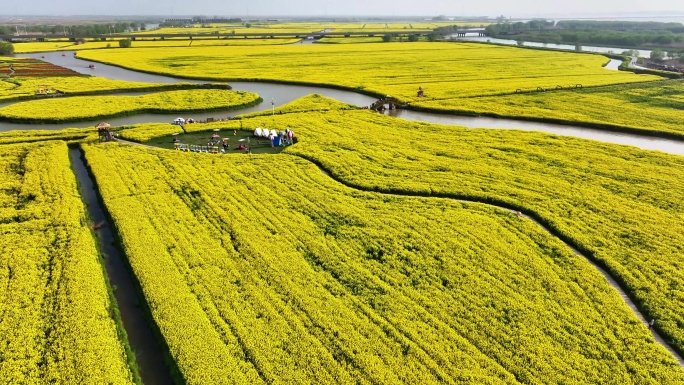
{"x":179,"y":121}
{"x":258,"y":132}
{"x":274,"y":133}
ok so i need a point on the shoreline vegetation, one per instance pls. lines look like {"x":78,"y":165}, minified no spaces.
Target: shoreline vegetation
{"x":80,"y":108}
{"x":668,"y":130}
{"x":626,"y":34}
{"x":59,"y":93}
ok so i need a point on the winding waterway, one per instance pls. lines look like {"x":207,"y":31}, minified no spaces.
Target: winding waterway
{"x":283,"y":93}
{"x":155,"y":371}
{"x":585,"y":48}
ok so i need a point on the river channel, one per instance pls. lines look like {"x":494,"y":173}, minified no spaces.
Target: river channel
{"x":585,"y":48}
{"x":280,"y":94}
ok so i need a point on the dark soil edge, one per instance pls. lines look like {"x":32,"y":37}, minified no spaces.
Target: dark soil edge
{"x":173,"y":375}
{"x":113,"y":304}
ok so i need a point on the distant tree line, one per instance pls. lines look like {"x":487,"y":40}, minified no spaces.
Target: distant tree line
{"x":216,"y":19}
{"x":622,"y":34}
{"x":500,"y":28}
{"x":88,"y":29}
{"x":624,"y":25}
{"x":594,"y":25}
{"x":175,"y":23}
{"x":413,"y":37}
{"x":614,"y":38}
{"x":6,"y":48}
{"x":660,"y":55}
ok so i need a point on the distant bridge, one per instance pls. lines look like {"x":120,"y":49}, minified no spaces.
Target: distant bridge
{"x":190,"y":36}
{"x":471,"y":33}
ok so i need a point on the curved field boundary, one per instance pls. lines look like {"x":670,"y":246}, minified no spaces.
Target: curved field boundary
{"x":646,"y":133}
{"x":544,"y":224}
{"x":160,"y":88}
{"x":602,"y":126}
{"x":516,"y":210}
{"x":131,"y":112}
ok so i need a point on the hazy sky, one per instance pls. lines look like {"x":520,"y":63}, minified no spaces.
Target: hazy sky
{"x":524,"y":8}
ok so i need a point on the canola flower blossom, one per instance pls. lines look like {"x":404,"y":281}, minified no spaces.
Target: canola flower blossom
{"x":617,"y":203}
{"x":448,"y":72}
{"x":79,"y":108}
{"x":55,"y":323}
{"x":284,"y":275}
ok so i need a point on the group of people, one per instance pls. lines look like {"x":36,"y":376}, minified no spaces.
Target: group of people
{"x":104,"y":133}
{"x":217,"y":145}
{"x":276,"y":138}
{"x":286,"y":137}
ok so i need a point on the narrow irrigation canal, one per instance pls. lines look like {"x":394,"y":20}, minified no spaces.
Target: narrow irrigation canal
{"x":612,"y":282}
{"x":148,"y":350}
{"x":606,"y":274}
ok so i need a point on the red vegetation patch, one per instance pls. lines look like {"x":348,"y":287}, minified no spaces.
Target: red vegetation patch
{"x":33,"y":68}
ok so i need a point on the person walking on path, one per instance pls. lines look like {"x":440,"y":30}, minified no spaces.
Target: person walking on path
{"x":650,"y":324}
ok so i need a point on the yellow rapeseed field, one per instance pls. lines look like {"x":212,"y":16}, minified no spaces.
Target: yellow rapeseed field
{"x":313,"y":102}
{"x":114,"y":43}
{"x":55,"y":320}
{"x":622,"y":205}
{"x":262,"y":269}
{"x":30,"y":136}
{"x":446,"y":71}
{"x":297,"y":27}
{"x":350,"y":40}
{"x":267,"y":269}
{"x":654,"y":107}
{"x":29,"y":87}
{"x":80,"y":108}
